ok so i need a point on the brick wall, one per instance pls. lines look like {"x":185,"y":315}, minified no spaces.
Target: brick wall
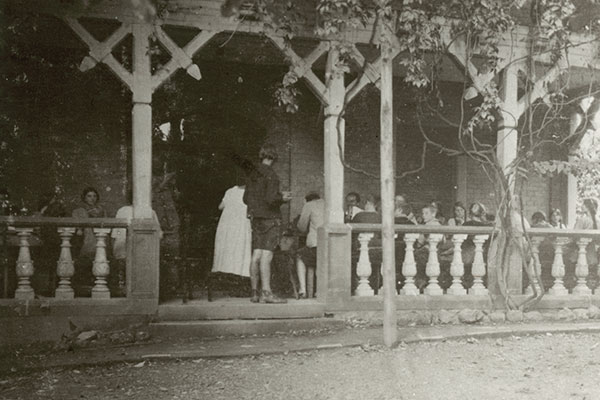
{"x":539,"y":193}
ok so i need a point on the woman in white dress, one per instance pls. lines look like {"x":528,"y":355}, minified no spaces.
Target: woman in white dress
{"x":234,"y":236}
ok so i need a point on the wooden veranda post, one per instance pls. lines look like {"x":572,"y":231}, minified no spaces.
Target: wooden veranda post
{"x":142,"y":123}
{"x":388,"y":189}
{"x":334,"y":139}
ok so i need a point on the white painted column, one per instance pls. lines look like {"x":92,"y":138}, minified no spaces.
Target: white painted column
{"x":142,"y":123}
{"x":507,"y":139}
{"x":334,"y":140}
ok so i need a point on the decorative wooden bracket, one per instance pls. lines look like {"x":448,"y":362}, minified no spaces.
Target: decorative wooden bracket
{"x":302,"y":67}
{"x":539,"y":90}
{"x":540,"y":87}
{"x":458,"y":49}
{"x":371,"y":71}
{"x":180,"y":58}
{"x":101,"y":51}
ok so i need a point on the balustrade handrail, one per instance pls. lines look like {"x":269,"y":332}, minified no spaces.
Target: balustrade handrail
{"x":476,"y":230}
{"x":553,"y":232}
{"x":406,"y":228}
{"x":36,"y":221}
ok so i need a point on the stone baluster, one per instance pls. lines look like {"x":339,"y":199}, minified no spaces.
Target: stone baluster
{"x":363,"y":268}
{"x":582,"y":270}
{"x":558,"y":268}
{"x":65,"y":267}
{"x":101,"y":268}
{"x":535,"y":266}
{"x":432,"y":269}
{"x":478,"y":268}
{"x":457,"y":267}
{"x":24,"y":268}
{"x":409,"y":266}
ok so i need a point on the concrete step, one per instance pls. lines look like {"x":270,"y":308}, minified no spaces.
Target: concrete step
{"x":238,"y":308}
{"x":196,"y":329}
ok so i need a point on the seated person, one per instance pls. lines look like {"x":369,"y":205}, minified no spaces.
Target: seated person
{"x":352,"y":206}
{"x":439,"y":215}
{"x":538,"y":220}
{"x":369,"y":215}
{"x":556,"y":219}
{"x":401,"y":205}
{"x":460,"y":215}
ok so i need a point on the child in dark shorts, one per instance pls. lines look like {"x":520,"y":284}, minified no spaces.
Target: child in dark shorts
{"x":266,"y":233}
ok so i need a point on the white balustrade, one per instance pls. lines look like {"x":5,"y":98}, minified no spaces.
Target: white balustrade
{"x":363,"y":267}
{"x":64,"y":267}
{"x":535,"y":266}
{"x":558,"y":268}
{"x":409,"y":266}
{"x":478,"y":267}
{"x":100,"y":267}
{"x":457,"y":267}
{"x":24,"y":268}
{"x":582,"y":270}
{"x":432,"y":268}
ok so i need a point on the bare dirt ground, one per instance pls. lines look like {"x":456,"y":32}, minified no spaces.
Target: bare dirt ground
{"x":562,"y":366}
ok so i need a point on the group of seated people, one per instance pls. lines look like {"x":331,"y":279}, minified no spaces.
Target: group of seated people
{"x":47,"y":242}
{"x":431,"y":214}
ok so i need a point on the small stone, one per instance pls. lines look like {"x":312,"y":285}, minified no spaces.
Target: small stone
{"x":87,"y":336}
{"x":581,"y":313}
{"x":142,"y":336}
{"x":533,"y":316}
{"x":468,"y":316}
{"x":565,"y":315}
{"x":497,"y":317}
{"x":447,"y":317}
{"x":594,"y":312}
{"x":423,"y":318}
{"x":514,"y":316}
{"x":121,"y":337}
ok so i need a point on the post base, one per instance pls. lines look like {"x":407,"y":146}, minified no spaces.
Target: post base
{"x":64,"y":294}
{"x":410,"y":291}
{"x":362,"y":292}
{"x":558,"y":291}
{"x":584,"y":290}
{"x":433,"y":291}
{"x":478,"y":292}
{"x":24,"y":294}
{"x":456,"y":291}
{"x":100,"y":294}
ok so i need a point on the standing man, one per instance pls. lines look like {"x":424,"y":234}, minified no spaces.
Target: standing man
{"x":264,"y":200}
{"x":311,"y":219}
